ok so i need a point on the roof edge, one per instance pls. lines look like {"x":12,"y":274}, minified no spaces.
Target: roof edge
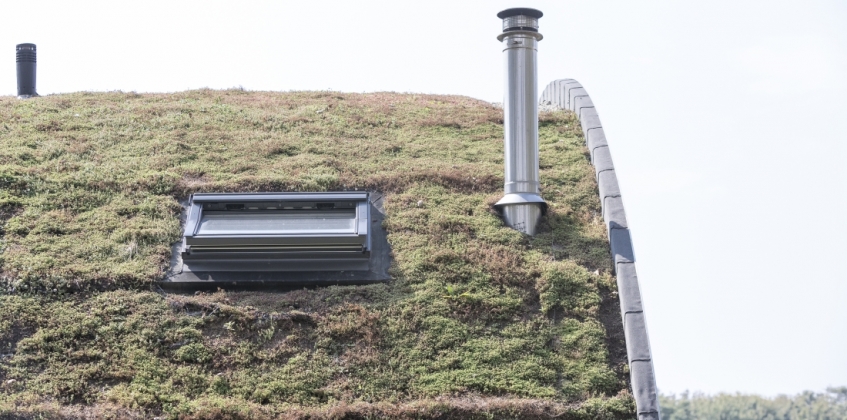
{"x":570,"y":94}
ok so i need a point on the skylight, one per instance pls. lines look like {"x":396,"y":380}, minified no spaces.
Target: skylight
{"x":275,"y":235}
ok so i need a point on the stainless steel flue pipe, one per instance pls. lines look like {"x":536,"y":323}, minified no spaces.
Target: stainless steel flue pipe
{"x":522,"y":206}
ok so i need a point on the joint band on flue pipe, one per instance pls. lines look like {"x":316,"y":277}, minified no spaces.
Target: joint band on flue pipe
{"x":522,"y":206}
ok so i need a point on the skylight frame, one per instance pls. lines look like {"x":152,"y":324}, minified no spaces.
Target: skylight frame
{"x":278,"y":251}
{"x":284,"y":202}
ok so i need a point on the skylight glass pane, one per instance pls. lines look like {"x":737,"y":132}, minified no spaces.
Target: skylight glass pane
{"x":277,"y":222}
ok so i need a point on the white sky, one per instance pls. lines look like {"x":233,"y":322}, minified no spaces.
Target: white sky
{"x":726,"y":120}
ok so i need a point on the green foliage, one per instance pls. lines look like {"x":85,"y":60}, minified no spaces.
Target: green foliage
{"x":829,"y":405}
{"x":567,"y":286}
{"x":480,"y":321}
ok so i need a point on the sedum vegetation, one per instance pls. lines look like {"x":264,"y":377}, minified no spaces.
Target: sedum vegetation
{"x":480,"y":321}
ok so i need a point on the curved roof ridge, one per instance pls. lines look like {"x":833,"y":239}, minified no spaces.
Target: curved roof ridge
{"x":571,"y":95}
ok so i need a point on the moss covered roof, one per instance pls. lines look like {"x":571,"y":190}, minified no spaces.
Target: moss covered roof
{"x":479,"y":320}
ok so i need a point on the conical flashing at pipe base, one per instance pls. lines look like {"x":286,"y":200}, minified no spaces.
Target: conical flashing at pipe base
{"x":522,"y":211}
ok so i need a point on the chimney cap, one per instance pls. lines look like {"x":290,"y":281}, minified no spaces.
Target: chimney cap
{"x":517,"y":11}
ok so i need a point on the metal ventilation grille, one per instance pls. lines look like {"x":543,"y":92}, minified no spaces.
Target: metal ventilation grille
{"x":25,"y":57}
{"x":25,"y":53}
{"x":520,"y":22}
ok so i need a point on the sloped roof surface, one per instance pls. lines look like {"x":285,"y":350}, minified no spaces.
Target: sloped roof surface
{"x":479,"y":319}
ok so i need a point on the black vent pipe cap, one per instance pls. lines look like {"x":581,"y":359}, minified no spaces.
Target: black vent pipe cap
{"x":526,"y":11}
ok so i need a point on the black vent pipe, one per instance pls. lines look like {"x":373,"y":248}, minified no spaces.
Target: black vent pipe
{"x":25,"y":58}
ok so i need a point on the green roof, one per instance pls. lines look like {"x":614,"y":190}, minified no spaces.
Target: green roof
{"x":479,"y":320}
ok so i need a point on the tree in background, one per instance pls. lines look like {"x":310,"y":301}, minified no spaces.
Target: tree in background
{"x":829,"y":405}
